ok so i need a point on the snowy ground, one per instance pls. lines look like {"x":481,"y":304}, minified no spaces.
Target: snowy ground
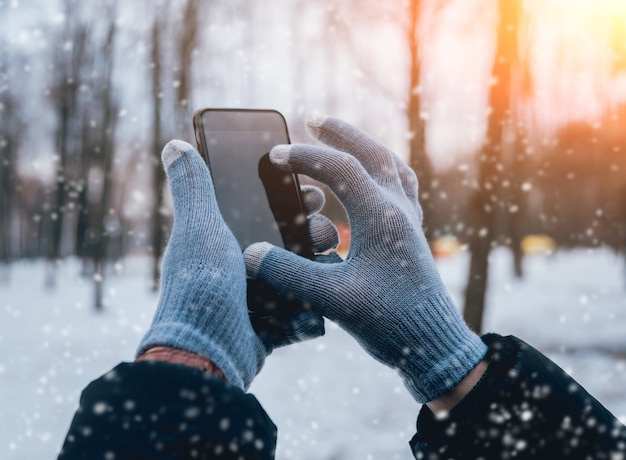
{"x":328,"y":399}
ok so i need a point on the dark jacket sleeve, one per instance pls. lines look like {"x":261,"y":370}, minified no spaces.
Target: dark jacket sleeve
{"x":523,"y":407}
{"x":158,"y":410}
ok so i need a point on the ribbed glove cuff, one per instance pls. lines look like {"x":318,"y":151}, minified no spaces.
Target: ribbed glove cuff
{"x":445,"y":352}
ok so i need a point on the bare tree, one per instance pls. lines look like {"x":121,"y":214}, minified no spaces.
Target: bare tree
{"x":485,"y":201}
{"x":69,"y":65}
{"x":158,"y":175}
{"x":187,"y":42}
{"x":518,"y":157}
{"x":515,"y":173}
{"x":418,"y":158}
{"x":10,"y":130}
{"x":184,"y":50}
{"x":105,"y":152}
{"x":516,"y":208}
{"x":7,"y":180}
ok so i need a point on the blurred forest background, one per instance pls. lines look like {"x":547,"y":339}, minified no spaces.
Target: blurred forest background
{"x":511,"y":112}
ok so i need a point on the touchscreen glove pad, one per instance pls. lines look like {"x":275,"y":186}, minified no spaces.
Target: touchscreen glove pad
{"x":387,"y":293}
{"x":202,"y":306}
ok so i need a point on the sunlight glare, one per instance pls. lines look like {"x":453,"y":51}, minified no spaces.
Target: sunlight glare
{"x":579,"y":48}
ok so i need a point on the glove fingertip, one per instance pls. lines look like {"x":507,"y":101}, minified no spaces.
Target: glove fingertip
{"x":305,"y":325}
{"x":253,"y":257}
{"x":313,"y":198}
{"x":279,"y":156}
{"x":173,"y":150}
{"x":323,"y":233}
{"x":314,"y":123}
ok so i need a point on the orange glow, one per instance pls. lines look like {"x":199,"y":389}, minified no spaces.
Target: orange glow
{"x":579,"y":50}
{"x":344,"y":240}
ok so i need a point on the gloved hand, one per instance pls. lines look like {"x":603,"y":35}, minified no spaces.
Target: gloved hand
{"x":387,"y":293}
{"x":202,"y":307}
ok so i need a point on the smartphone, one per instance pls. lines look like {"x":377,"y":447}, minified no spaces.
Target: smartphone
{"x":258,"y":201}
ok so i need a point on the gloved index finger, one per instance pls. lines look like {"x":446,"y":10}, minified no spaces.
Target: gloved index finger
{"x":377,"y":160}
{"x":313,"y":199}
{"x":340,"y":171}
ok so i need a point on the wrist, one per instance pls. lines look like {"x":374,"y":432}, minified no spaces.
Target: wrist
{"x":177,"y":356}
{"x":446,"y":402}
{"x":236,"y":351}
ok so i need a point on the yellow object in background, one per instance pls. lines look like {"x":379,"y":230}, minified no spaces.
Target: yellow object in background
{"x":538,"y":244}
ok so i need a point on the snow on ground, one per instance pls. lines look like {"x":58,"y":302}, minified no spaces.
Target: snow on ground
{"x":327,"y":397}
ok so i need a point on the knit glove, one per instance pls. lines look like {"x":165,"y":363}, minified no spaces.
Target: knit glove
{"x":387,"y":293}
{"x":202,"y":306}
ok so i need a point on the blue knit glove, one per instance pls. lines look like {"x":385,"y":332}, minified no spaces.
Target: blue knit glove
{"x":387,"y":293}
{"x":202,"y":306}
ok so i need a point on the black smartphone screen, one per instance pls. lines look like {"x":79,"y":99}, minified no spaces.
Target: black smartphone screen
{"x":258,"y":201}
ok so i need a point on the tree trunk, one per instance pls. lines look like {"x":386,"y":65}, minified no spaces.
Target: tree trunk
{"x":158,"y":176}
{"x":479,"y":245}
{"x":187,"y":40}
{"x":487,"y":199}
{"x":516,"y":214}
{"x":54,"y":215}
{"x":7,"y":160}
{"x":107,"y":139}
{"x":7,"y":185}
{"x":8,"y":179}
{"x":418,"y":158}
{"x":69,"y":64}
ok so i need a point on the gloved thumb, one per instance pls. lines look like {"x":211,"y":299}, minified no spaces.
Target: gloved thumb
{"x":287,"y":272}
